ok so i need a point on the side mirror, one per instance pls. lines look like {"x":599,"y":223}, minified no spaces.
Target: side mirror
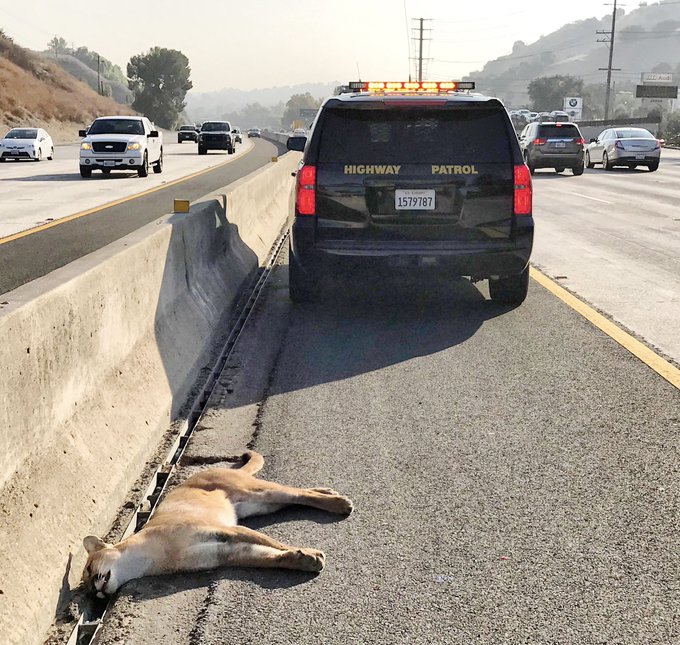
{"x":153,"y":133}
{"x":593,"y":141}
{"x":296,"y":143}
{"x":82,"y":133}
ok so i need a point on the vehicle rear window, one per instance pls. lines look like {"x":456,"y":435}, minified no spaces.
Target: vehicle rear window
{"x":636,"y":133}
{"x":553,"y":131}
{"x":414,"y":135}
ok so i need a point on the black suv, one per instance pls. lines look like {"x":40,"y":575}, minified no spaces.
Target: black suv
{"x":216,"y":135}
{"x":553,"y":145}
{"x":187,"y":133}
{"x":413,"y":178}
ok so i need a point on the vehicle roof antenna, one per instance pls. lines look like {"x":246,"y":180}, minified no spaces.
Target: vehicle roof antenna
{"x":358,"y":72}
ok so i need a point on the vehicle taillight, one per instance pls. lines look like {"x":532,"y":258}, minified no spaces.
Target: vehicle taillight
{"x":540,"y":142}
{"x":580,"y":142}
{"x":619,"y":145}
{"x":306,"y":190}
{"x":523,"y":192}
{"x":659,"y":143}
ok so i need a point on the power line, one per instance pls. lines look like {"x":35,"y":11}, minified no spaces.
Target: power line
{"x":610,"y":35}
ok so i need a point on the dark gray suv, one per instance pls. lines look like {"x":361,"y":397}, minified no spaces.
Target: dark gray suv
{"x":421,"y":178}
{"x":553,"y":145}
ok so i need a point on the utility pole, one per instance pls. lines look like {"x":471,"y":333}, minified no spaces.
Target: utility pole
{"x":99,"y":82}
{"x":609,"y":69}
{"x":421,"y":39}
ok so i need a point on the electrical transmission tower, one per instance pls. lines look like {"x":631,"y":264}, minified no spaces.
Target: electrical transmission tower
{"x":609,"y":38}
{"x":419,"y":37}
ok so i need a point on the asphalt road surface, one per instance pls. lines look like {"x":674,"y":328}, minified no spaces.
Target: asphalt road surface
{"x":614,"y":239}
{"x":29,"y":257}
{"x":514,"y":472}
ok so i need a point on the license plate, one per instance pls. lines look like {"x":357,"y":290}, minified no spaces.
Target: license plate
{"x":639,"y":156}
{"x":560,"y":144}
{"x":109,"y":163}
{"x":14,"y":152}
{"x":414,"y":200}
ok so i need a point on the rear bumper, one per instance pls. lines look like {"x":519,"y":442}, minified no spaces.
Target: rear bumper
{"x":475,"y":259}
{"x":565,"y":160}
{"x":631,"y":158}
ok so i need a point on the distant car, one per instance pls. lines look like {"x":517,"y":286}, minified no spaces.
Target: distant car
{"x":187,"y":133}
{"x":26,"y":143}
{"x":560,"y":117}
{"x":216,"y":135}
{"x":238,"y":136}
{"x":630,"y":147}
{"x":552,"y":145}
{"x":254,"y":132}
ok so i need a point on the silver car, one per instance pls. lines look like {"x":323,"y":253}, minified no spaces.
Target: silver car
{"x":630,"y":147}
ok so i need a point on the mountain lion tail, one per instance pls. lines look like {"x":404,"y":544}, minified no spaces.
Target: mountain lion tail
{"x":253,"y":462}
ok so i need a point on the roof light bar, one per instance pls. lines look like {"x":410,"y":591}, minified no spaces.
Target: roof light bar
{"x":410,"y":86}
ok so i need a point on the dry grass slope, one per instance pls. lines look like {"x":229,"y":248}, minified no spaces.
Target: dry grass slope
{"x":36,"y":92}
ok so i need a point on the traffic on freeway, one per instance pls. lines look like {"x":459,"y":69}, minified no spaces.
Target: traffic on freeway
{"x":391,"y":359}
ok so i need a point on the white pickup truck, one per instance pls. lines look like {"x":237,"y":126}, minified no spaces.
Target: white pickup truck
{"x":121,"y":143}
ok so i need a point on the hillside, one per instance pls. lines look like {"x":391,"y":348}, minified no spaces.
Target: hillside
{"x":646,"y":38}
{"x":119,"y":92}
{"x":34,"y":91}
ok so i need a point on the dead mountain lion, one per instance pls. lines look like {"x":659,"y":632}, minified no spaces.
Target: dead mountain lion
{"x":195,"y":527}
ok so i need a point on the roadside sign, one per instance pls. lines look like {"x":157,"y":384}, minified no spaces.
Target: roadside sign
{"x":656,"y":91}
{"x":573,"y":103}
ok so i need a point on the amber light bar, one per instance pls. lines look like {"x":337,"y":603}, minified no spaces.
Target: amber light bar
{"x":411,"y":86}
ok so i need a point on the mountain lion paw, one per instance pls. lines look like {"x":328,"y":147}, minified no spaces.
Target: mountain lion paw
{"x":326,"y":491}
{"x":310,"y":560}
{"x":343,"y":505}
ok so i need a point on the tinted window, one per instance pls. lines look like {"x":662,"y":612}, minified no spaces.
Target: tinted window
{"x":634,"y":133}
{"x":188,"y":127}
{"x":550,"y":131}
{"x":22,"y":134}
{"x":414,"y":135}
{"x":215,"y":126}
{"x":117,"y":126}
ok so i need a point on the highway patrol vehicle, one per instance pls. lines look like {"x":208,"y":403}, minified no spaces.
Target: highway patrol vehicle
{"x":407,"y":174}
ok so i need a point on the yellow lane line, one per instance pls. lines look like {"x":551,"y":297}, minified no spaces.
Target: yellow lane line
{"x":634,"y":346}
{"x":91,"y":211}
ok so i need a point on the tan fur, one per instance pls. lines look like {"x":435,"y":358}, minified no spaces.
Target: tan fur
{"x":195,"y":528}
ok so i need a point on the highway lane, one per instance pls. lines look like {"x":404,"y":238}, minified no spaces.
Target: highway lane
{"x":514,"y":474}
{"x":613,"y":238}
{"x":33,"y":193}
{"x":27,"y":258}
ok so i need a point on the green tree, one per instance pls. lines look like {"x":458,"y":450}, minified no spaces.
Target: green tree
{"x":547,"y":92}
{"x":58,"y":45}
{"x":160,"y":81}
{"x":295,"y":103}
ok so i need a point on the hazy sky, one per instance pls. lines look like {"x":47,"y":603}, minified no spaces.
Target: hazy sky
{"x":265,"y":43}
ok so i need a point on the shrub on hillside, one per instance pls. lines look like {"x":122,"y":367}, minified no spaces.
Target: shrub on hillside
{"x":18,"y":55}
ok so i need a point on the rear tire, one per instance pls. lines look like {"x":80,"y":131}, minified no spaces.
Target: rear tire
{"x":511,"y":290}
{"x":589,"y":163}
{"x":605,"y":162}
{"x":578,"y":170}
{"x":528,"y":163}
{"x":653,"y":166}
{"x":201,"y":150}
{"x":85,"y":173}
{"x":301,"y":288}
{"x":143,"y":170}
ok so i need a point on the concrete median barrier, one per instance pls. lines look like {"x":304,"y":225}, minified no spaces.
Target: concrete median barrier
{"x":98,"y":359}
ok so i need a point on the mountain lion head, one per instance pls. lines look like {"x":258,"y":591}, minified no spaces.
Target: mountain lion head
{"x":99,"y":574}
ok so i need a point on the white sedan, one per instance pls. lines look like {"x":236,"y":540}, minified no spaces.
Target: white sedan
{"x":26,"y":143}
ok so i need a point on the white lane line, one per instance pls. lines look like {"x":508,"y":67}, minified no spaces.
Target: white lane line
{"x":595,"y":199}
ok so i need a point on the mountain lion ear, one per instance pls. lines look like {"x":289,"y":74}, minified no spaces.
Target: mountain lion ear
{"x":92,"y":543}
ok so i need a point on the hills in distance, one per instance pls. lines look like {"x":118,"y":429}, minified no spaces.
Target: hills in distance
{"x":647,"y":39}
